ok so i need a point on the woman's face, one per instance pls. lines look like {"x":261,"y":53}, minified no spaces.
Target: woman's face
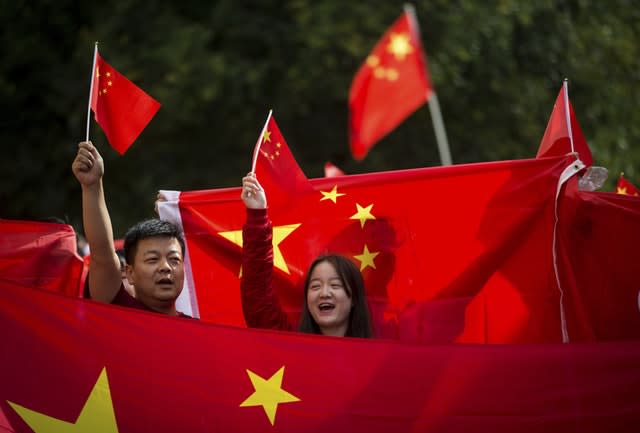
{"x":328,"y":301}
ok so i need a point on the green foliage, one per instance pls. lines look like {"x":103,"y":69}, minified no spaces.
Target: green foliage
{"x":218,"y":67}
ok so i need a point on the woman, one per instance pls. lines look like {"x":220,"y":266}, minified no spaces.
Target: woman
{"x":335,"y":301}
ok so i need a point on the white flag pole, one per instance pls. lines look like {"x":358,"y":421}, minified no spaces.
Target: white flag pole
{"x":567,"y":111}
{"x":256,"y":149}
{"x":438,"y":126}
{"x":93,"y":76}
{"x":432,"y":99}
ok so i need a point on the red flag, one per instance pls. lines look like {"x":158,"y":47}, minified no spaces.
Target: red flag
{"x":557,"y":137}
{"x":625,"y":187}
{"x":437,"y":269}
{"x":405,"y":231}
{"x":41,"y":255}
{"x":76,"y":365}
{"x":331,"y":170}
{"x":276,"y":168}
{"x":391,"y":84}
{"x":599,"y":234}
{"x":120,"y":107}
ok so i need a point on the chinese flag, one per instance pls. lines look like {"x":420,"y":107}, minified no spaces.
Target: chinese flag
{"x":277,"y":170}
{"x":598,"y":238}
{"x":331,"y":170}
{"x":73,"y":365}
{"x":392,"y":83}
{"x":437,"y":269}
{"x":121,"y":108}
{"x":41,"y":255}
{"x":556,"y":140}
{"x":625,"y":187}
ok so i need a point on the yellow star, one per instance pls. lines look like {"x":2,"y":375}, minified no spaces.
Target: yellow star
{"x":266,"y":137}
{"x":373,"y":61}
{"x":280,"y":233}
{"x":366,"y":258}
{"x":400,"y":45}
{"x":268,"y":394}
{"x":363,"y":214}
{"x":331,"y":195}
{"x":96,"y":415}
{"x":622,"y":190}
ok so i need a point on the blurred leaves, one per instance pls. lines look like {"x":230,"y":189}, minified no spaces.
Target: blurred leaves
{"x":218,"y":67}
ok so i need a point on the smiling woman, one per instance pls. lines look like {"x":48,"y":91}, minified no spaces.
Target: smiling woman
{"x":334,"y":304}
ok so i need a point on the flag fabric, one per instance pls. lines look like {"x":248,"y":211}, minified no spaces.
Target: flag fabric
{"x":331,"y":170}
{"x":75,"y":365}
{"x":276,"y":168}
{"x":392,"y":83}
{"x":556,"y":140}
{"x":120,"y":107}
{"x":41,"y":255}
{"x":624,"y":187}
{"x":598,"y":243}
{"x":437,"y":269}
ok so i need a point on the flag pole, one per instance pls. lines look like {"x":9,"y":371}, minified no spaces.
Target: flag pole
{"x":432,"y":98}
{"x":567,"y":112}
{"x":256,"y":149}
{"x":93,"y":76}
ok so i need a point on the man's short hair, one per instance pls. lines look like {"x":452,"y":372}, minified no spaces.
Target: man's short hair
{"x":148,"y":229}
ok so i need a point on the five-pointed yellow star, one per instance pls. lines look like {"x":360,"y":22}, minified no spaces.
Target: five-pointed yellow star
{"x":96,"y":415}
{"x":622,"y":190}
{"x":266,"y":137}
{"x":363,"y":214}
{"x":373,"y":61}
{"x":268,"y":394}
{"x":366,"y":258}
{"x":280,"y":233}
{"x":331,"y":195}
{"x":400,"y":45}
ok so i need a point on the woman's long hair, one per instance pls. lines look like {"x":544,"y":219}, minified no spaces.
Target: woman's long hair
{"x":359,"y":321}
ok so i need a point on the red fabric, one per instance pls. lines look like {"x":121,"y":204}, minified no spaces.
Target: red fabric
{"x":556,"y":139}
{"x":599,"y":234}
{"x":331,"y":170}
{"x":391,"y":84}
{"x":625,"y":187}
{"x":472,"y":270}
{"x":41,"y":255}
{"x":279,"y":173}
{"x":120,"y":107}
{"x":172,"y":375}
{"x":260,"y":305}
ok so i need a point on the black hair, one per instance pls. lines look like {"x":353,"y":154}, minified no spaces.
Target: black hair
{"x":359,"y":320}
{"x":148,"y":229}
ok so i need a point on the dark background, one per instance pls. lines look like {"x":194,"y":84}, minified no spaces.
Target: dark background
{"x":217,"y":67}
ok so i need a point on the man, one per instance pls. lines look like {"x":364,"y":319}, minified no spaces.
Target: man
{"x":154,"y":249}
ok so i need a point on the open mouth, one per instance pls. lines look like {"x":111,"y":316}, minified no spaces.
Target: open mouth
{"x":325,"y":306}
{"x":164,"y":281}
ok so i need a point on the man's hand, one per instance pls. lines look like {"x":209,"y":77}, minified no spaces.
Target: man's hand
{"x":88,"y":166}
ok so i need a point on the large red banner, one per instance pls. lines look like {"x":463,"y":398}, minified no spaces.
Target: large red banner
{"x":73,"y":365}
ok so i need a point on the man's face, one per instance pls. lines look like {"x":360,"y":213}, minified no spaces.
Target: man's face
{"x":157,"y":272}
